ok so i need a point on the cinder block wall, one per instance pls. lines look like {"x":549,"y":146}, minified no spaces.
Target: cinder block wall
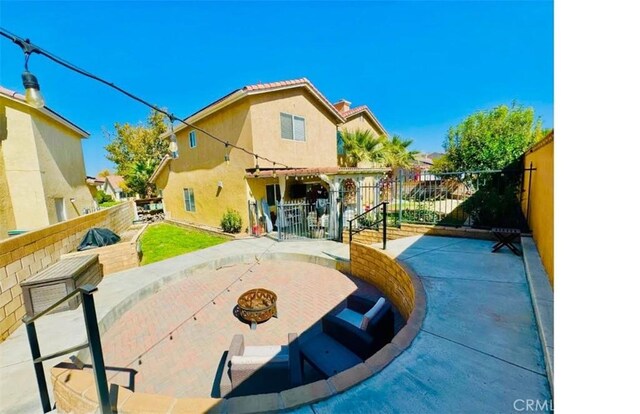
{"x":383,"y":272}
{"x":25,"y":255}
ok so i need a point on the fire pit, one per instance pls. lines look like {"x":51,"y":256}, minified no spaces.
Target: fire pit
{"x":257,"y":305}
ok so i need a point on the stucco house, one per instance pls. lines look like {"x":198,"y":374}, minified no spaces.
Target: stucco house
{"x":42,"y":172}
{"x":114,"y":186}
{"x":291,"y":122}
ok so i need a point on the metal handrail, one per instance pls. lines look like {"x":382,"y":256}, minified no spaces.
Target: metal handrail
{"x":383,"y":220}
{"x":95,"y":347}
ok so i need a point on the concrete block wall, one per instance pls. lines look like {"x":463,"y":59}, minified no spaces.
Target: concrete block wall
{"x":25,"y":255}
{"x":408,"y":230}
{"x":375,"y":267}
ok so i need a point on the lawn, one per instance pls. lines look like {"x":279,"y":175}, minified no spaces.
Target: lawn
{"x":109,"y":204}
{"x":162,"y":241}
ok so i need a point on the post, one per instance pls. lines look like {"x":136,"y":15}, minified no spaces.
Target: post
{"x":93,"y":337}
{"x":400,"y":198}
{"x":529,"y":191}
{"x":350,"y":231}
{"x":384,"y":225}
{"x":35,"y":354}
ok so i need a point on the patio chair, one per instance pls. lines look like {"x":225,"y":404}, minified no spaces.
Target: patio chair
{"x":364,"y":326}
{"x":252,"y":370}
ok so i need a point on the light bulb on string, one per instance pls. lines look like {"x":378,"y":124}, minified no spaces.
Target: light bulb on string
{"x":257,"y":171}
{"x":226,"y":153}
{"x":173,"y":140}
{"x":32,"y":93}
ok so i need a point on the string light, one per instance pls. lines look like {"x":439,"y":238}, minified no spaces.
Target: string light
{"x":173,"y":140}
{"x":273,"y":172}
{"x":34,"y":97}
{"x":226,"y":152}
{"x":257,"y":171}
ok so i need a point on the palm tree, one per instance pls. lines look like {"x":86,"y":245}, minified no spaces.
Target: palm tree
{"x":397,"y":152}
{"x":138,"y":178}
{"x":362,"y":145}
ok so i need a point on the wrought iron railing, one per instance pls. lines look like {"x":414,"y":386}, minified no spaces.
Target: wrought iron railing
{"x":93,"y":342}
{"x":370,"y":219}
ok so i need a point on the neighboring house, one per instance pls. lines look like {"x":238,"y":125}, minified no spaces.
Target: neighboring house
{"x":114,"y":186}
{"x":42,"y":173}
{"x":290,"y":122}
{"x":360,"y":118}
{"x":94,"y":185}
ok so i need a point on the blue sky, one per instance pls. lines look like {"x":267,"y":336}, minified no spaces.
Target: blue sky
{"x":420,"y":66}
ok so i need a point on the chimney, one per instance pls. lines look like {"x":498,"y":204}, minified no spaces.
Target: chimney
{"x":342,"y":105}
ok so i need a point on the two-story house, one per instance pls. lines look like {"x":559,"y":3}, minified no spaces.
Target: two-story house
{"x":290,"y":122}
{"x":42,"y":172}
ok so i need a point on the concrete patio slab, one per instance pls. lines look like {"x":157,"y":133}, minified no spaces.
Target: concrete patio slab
{"x":439,"y":376}
{"x":494,"y":318}
{"x":473,"y":266}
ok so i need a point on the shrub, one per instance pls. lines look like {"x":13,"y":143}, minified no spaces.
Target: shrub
{"x":231,"y":221}
{"x":103,"y":197}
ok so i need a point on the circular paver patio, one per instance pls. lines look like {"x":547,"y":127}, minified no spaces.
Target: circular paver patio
{"x":172,"y":343}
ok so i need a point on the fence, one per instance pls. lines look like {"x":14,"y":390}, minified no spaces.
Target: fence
{"x":472,"y":199}
{"x":478,"y":199}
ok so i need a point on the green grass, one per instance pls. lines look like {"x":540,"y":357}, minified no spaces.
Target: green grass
{"x":109,"y":203}
{"x":162,"y":241}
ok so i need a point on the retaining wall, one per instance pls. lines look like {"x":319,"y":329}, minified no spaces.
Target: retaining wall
{"x":408,"y":230}
{"x":24,"y":255}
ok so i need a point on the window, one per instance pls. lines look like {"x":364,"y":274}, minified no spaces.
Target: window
{"x":292,"y":127}
{"x":192,"y":139}
{"x":340,"y":139}
{"x":273,"y":194}
{"x":189,"y":199}
{"x":61,"y":211}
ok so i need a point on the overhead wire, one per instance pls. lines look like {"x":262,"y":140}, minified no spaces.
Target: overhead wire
{"x":32,"y":48}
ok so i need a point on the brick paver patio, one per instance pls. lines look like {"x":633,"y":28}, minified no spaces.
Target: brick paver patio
{"x":180,"y":354}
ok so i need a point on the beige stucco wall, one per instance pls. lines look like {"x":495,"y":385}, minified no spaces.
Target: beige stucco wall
{"x":319,"y":149}
{"x":42,"y":160}
{"x":61,"y":158}
{"x":253,"y":123}
{"x":361,"y":121}
{"x":202,"y":167}
{"x":7,"y":220}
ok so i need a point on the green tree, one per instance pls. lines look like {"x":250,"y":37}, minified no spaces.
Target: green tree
{"x":138,"y":149}
{"x":397,"y":153}
{"x":488,"y":140}
{"x":362,"y":145}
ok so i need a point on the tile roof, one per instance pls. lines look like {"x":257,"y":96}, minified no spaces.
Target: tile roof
{"x":116,"y":181}
{"x":259,"y":88}
{"x":363,"y":109}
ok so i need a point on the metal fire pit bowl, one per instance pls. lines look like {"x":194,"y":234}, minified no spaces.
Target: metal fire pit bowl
{"x":257,"y":305}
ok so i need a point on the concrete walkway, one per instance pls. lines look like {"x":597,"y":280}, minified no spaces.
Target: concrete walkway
{"x":478,"y":350}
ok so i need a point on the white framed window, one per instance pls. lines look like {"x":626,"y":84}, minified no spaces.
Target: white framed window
{"x":189,"y":199}
{"x":273,"y":194}
{"x":292,"y":127}
{"x":192,"y":139}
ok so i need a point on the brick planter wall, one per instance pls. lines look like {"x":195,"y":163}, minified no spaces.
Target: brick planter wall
{"x":24,"y":255}
{"x":408,"y":230}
